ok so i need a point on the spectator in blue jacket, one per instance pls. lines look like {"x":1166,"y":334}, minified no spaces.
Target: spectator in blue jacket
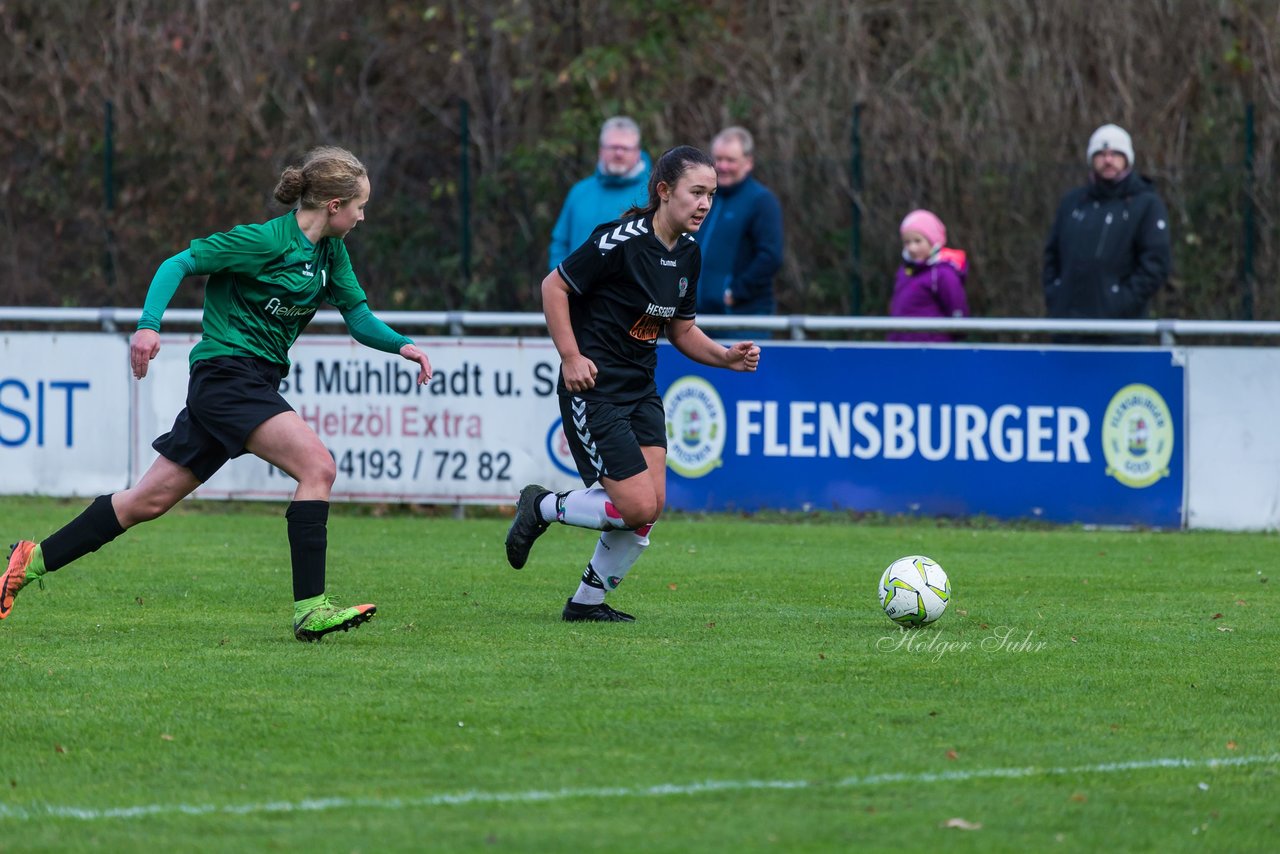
{"x":621,"y":180}
{"x":741,"y":240}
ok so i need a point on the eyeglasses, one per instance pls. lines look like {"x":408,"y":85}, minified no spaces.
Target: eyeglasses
{"x":620,"y":149}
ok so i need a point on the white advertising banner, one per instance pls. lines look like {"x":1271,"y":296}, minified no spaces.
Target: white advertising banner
{"x":1233,"y":454}
{"x":486,"y":424}
{"x":64,"y":411}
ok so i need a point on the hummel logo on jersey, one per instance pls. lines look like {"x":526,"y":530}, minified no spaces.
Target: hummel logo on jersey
{"x":621,"y":234}
{"x":664,"y":262}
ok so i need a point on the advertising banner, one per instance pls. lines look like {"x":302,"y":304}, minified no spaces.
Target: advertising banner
{"x":1067,"y":435}
{"x":64,"y":411}
{"x":1064,"y":435}
{"x":486,"y":424}
{"x":1233,"y":452}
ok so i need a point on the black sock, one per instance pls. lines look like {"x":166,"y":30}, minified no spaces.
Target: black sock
{"x":308,"y":542}
{"x":96,"y":526}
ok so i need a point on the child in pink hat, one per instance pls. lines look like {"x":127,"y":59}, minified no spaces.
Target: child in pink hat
{"x":930,"y":282}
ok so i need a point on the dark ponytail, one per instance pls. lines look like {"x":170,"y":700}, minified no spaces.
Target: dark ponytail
{"x":673,"y":163}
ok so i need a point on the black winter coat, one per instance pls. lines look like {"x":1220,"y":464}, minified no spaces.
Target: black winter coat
{"x":1109,"y":250}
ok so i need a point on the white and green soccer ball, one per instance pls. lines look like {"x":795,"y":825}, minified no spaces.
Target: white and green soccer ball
{"x":914,"y":590}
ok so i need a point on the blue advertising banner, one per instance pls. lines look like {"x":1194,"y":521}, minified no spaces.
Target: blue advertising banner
{"x":1065,"y":435}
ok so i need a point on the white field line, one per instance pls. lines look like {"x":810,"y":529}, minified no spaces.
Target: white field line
{"x":45,"y":811}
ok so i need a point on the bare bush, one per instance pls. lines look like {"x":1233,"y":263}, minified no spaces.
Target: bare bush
{"x":979,"y":110}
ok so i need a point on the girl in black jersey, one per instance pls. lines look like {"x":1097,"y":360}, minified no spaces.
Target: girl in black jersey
{"x":605,"y":306}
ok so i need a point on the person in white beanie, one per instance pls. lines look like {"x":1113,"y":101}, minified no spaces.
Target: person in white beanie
{"x":1109,"y":251}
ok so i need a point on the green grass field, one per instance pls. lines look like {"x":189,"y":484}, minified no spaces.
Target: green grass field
{"x":1085,"y":691}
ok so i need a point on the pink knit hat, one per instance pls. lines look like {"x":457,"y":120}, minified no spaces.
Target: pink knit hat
{"x":926,"y":224}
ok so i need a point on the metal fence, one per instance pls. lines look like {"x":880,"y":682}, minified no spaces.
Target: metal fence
{"x":797,"y":327}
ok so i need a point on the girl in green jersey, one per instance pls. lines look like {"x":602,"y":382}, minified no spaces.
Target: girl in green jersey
{"x":266,"y":281}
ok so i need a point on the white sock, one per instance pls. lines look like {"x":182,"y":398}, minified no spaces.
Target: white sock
{"x":547,"y":507}
{"x":616,"y":553}
{"x":588,"y":593}
{"x":583,"y":508}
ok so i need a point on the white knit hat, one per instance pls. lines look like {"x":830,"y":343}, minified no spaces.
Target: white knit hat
{"x":1111,"y":137}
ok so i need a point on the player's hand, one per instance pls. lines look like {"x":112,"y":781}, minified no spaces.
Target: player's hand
{"x":579,"y":373}
{"x":143,"y":347}
{"x":413,"y":354}
{"x":743,"y":356}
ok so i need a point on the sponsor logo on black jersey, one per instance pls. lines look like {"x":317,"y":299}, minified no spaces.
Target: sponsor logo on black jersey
{"x":651,"y":322}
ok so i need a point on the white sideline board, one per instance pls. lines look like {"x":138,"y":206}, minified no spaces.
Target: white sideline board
{"x":1233,"y":442}
{"x":64,"y":411}
{"x":486,"y":424}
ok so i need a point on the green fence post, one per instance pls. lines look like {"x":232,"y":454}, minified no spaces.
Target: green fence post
{"x":464,"y":189}
{"x":1246,"y":260}
{"x":855,"y":209}
{"x":109,"y":195}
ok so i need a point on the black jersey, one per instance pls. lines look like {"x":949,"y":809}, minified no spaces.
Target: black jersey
{"x":625,"y":287}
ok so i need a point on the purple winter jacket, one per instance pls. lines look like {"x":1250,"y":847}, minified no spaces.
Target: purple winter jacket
{"x":934,"y":288}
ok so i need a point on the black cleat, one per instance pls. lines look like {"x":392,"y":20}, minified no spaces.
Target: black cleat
{"x":602,"y":613}
{"x":527,"y":526}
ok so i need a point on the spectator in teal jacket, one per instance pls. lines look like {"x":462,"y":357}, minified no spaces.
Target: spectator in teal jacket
{"x":621,"y":180}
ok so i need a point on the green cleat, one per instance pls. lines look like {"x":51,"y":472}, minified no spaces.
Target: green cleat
{"x":325,"y":617}
{"x":25,"y":566}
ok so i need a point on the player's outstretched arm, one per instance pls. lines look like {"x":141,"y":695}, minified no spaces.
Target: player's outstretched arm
{"x":143,"y":347}
{"x":370,"y":331}
{"x":413,"y":354}
{"x":694,"y":343}
{"x":145,"y":344}
{"x":743,"y":356}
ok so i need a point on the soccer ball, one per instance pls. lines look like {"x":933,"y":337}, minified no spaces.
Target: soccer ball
{"x":914,"y":590}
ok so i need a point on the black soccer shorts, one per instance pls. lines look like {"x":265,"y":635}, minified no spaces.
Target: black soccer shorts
{"x":228,"y":397}
{"x":605,"y":438}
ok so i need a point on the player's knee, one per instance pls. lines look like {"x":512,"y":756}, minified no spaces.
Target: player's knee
{"x":320,"y":470}
{"x":143,"y":507}
{"x":640,"y":512}
{"x":327,"y":469}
